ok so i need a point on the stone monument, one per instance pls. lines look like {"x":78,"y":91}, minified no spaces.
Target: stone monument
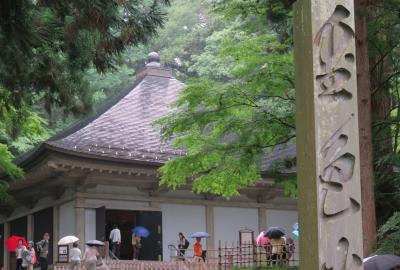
{"x":327,"y":136}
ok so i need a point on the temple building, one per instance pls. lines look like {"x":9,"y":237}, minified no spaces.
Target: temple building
{"x":104,"y":171}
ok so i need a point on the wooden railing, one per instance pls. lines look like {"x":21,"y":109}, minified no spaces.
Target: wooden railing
{"x":151,"y":265}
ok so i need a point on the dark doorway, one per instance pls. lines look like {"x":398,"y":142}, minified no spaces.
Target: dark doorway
{"x":126,"y":220}
{"x":2,"y":245}
{"x":43,"y":223}
{"x":152,"y":245}
{"x":18,"y":227}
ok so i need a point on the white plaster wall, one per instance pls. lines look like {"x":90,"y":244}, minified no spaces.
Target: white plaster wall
{"x":90,"y":224}
{"x":181,"y":218}
{"x":67,"y":219}
{"x":228,"y":221}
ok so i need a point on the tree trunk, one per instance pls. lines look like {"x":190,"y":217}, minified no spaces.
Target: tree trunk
{"x":381,"y":68}
{"x":365,"y":129}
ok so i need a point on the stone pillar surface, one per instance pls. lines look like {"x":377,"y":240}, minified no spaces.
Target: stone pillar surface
{"x":327,"y":136}
{"x":56,"y":231}
{"x":210,"y":227}
{"x":30,"y":228}
{"x":6,"y":254}
{"x":262,"y":219}
{"x":80,"y":226}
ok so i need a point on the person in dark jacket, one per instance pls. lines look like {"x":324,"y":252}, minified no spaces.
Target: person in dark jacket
{"x":43,"y":249}
{"x":183,"y":244}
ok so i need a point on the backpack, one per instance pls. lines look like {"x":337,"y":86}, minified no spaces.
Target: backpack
{"x":186,"y":245}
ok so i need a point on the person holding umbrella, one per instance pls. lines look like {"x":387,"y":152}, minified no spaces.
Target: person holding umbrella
{"x":199,"y":253}
{"x":136,"y":245}
{"x":137,"y":233}
{"x":90,"y":256}
{"x":75,"y":257}
{"x":277,"y":243}
{"x":198,"y":249}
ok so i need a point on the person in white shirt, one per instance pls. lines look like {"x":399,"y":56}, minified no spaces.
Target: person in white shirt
{"x":115,"y":239}
{"x":75,"y":257}
{"x":18,"y":253}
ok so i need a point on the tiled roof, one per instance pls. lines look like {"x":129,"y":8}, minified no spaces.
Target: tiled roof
{"x":125,"y":130}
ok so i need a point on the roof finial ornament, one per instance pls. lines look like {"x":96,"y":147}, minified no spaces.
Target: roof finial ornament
{"x":153,"y":60}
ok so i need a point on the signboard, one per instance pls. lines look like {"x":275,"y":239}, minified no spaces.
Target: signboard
{"x":246,"y":237}
{"x":63,"y":253}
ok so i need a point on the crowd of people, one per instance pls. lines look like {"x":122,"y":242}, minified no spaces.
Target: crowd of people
{"x":27,"y":257}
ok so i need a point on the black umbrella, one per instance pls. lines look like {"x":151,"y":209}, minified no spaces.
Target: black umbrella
{"x":382,"y":262}
{"x":275,"y":233}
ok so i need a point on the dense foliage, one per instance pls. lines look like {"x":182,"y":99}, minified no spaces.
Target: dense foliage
{"x":384,"y":30}
{"x":239,"y":108}
{"x":389,"y":236}
{"x":46,"y":49}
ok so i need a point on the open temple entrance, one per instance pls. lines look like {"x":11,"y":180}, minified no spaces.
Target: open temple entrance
{"x":151,"y":248}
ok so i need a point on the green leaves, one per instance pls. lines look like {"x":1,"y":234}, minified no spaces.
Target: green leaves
{"x":47,"y":45}
{"x":240,"y":107}
{"x":389,"y":236}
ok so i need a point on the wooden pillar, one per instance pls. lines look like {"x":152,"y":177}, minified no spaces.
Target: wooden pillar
{"x":80,"y":226}
{"x":327,"y":136}
{"x":56,"y":231}
{"x":262,"y":219}
{"x":210,"y":227}
{"x":30,"y":228}
{"x":6,"y":254}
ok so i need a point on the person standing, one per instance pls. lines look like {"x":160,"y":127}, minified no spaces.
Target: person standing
{"x":115,"y":239}
{"x":136,"y":245}
{"x":183,"y":244}
{"x":43,"y":249}
{"x":198,"y":250}
{"x":18,"y":254}
{"x":277,"y":245}
{"x":90,"y":258}
{"x":28,"y":257}
{"x":75,"y":257}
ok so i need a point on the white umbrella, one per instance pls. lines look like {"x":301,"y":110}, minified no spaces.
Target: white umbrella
{"x":68,"y":240}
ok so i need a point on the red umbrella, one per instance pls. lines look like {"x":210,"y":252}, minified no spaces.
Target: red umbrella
{"x":12,"y":242}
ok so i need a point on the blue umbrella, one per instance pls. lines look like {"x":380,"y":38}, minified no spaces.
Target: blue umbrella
{"x":200,"y":235}
{"x":141,"y":231}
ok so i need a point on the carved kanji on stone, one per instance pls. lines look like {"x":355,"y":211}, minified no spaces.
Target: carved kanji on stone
{"x":333,"y":41}
{"x":327,"y":135}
